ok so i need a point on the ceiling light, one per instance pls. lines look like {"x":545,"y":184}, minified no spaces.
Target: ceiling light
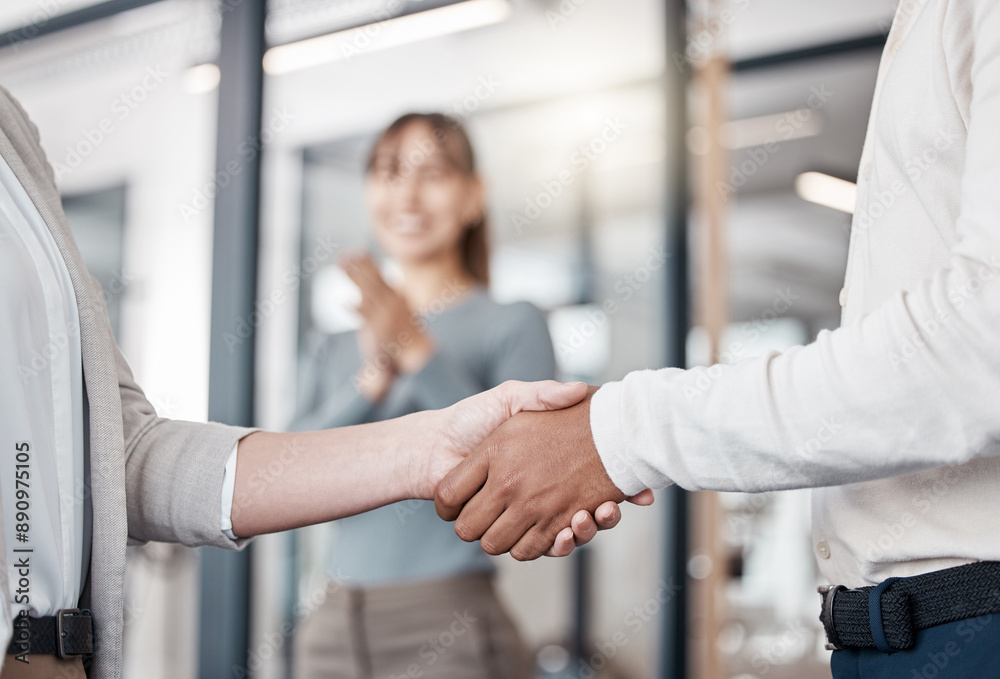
{"x":200,"y":79}
{"x":827,"y":191}
{"x":432,"y":23}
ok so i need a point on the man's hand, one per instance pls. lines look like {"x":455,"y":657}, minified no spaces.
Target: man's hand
{"x":452,"y":433}
{"x":524,"y":484}
{"x":462,"y":427}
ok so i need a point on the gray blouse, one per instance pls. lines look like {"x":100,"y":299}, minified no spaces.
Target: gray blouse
{"x":480,"y":343}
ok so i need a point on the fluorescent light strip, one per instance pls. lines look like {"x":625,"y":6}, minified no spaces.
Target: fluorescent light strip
{"x":393,"y":32}
{"x":775,"y":128}
{"x":827,"y":191}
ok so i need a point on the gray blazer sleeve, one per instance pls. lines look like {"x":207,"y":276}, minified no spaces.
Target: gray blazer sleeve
{"x":173,"y":471}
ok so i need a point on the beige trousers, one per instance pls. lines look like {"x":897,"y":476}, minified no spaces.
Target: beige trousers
{"x":446,"y":629}
{"x":42,"y":667}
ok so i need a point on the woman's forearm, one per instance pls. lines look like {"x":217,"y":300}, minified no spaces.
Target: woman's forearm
{"x":286,"y":481}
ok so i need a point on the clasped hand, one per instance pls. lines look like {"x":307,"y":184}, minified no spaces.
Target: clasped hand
{"x":535,"y":486}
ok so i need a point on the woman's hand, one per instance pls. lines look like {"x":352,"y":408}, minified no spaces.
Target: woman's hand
{"x":388,"y":317}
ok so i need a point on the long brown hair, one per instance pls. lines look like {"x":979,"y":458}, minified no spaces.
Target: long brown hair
{"x":453,"y":140}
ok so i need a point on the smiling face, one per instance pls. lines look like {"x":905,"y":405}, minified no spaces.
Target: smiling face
{"x":420,"y":196}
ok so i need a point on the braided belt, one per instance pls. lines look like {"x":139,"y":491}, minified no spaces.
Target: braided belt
{"x":889,"y":615}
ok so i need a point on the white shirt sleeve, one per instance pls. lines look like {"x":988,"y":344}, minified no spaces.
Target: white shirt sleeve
{"x":228,"y":489}
{"x":912,"y":385}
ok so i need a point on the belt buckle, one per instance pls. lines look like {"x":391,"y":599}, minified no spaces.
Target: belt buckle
{"x":829,"y":592}
{"x":61,"y":633}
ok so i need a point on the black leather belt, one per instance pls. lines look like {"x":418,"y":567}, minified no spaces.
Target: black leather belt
{"x":888,"y":616}
{"x":70,"y":633}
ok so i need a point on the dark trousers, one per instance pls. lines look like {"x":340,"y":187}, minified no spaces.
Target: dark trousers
{"x":967,"y":649}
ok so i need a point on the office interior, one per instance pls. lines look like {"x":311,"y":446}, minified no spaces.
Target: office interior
{"x":690,"y":163}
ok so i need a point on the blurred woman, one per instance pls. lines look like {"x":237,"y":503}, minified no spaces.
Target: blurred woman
{"x":409,"y":598}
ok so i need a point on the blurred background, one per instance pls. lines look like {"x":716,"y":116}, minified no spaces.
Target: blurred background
{"x":211,"y":157}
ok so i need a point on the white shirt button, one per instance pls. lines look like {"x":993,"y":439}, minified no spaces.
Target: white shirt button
{"x":842,"y":297}
{"x":823,"y":549}
{"x":866,"y":171}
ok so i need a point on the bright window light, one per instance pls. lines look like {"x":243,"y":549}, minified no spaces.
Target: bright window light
{"x":827,"y":191}
{"x":393,"y":32}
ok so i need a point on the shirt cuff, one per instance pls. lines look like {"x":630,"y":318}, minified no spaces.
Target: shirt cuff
{"x":228,"y":489}
{"x":609,"y":437}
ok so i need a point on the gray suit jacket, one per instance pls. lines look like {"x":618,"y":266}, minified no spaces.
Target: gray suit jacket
{"x":151,"y":478}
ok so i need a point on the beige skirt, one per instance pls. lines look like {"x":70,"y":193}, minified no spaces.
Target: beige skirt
{"x":445,"y":629}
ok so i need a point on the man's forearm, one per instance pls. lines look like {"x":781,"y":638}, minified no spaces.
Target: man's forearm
{"x":286,"y":481}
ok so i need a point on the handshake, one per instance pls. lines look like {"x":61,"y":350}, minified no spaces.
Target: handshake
{"x":515,"y":467}
{"x":533,"y":483}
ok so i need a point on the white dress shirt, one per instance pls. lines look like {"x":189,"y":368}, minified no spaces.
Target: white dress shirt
{"x":42,"y":405}
{"x":897,"y":413}
{"x":41,"y":411}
